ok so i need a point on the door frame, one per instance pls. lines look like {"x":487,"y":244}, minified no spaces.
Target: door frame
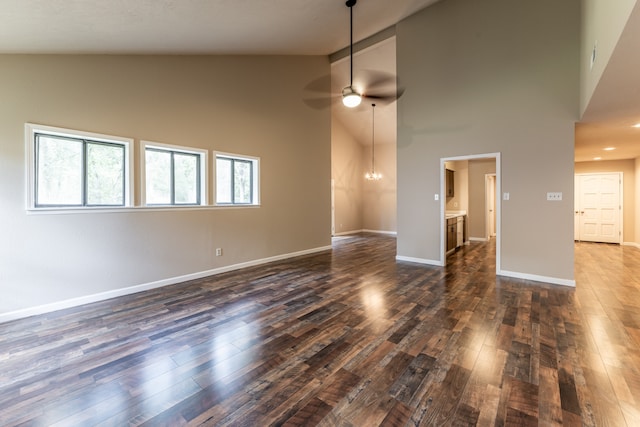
{"x":443,"y":206}
{"x":577,"y":195}
{"x":490,"y":194}
{"x":333,"y":207}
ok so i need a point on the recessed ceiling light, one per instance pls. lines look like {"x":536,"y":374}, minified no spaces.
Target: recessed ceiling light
{"x":597,"y":158}
{"x":637,"y":125}
{"x":609,"y":148}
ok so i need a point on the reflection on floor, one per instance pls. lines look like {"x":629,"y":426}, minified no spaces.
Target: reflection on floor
{"x":344,"y":337}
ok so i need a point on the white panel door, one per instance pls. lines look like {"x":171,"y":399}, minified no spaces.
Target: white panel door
{"x":599,"y":207}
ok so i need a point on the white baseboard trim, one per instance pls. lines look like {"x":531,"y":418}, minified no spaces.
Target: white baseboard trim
{"x":74,"y":302}
{"x":634,"y":244}
{"x":346,"y":233}
{"x":419,"y":260}
{"x":390,"y":233}
{"x":536,"y":278}
{"x":533,"y":277}
{"x":364,"y":230}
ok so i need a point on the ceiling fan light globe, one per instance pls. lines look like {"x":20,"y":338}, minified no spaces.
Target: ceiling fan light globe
{"x":350,"y":98}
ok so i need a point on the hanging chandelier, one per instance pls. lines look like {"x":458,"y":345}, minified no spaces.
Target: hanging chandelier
{"x":373,"y":175}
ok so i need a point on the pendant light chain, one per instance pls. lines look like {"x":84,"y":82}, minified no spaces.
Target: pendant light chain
{"x":373,"y":175}
{"x":373,"y":138}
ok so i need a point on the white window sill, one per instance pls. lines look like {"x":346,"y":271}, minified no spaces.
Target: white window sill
{"x":128,"y":209}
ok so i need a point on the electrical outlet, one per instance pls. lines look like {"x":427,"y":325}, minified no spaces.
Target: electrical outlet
{"x":554,"y":197}
{"x":218,"y":251}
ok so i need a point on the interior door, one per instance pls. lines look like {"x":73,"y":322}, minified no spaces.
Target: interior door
{"x":490,"y":188}
{"x":598,"y":211}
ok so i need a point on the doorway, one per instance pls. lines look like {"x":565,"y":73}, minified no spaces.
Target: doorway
{"x":333,"y":207}
{"x":598,"y":207}
{"x":490,"y":205}
{"x":476,"y":208}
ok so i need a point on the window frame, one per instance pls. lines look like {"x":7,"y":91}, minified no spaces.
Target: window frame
{"x":255,"y":178}
{"x":32,"y":130}
{"x":203,"y":168}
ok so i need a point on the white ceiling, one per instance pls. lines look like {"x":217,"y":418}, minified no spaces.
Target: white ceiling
{"x":307,"y":27}
{"x":615,"y":104}
{"x":300,"y":27}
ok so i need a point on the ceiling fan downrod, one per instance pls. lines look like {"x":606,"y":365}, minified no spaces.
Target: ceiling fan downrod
{"x":350,"y":97}
{"x":350,"y":4}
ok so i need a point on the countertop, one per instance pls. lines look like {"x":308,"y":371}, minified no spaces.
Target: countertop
{"x":454,"y":214}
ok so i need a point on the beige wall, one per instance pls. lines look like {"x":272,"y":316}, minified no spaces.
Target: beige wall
{"x":361,"y":204}
{"x":379,"y":197}
{"x":347,"y":173}
{"x":245,"y":105}
{"x":478,"y":169}
{"x":628,"y":169}
{"x":487,"y":77}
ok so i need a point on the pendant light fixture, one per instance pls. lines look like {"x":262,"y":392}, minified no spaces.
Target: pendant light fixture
{"x":373,"y":175}
{"x":351,"y":98}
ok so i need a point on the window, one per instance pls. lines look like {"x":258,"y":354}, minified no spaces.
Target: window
{"x":174,"y":175}
{"x":74,"y":169}
{"x":237,"y":180}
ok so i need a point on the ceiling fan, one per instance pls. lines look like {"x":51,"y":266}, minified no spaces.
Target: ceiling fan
{"x":350,"y":96}
{"x":375,"y":85}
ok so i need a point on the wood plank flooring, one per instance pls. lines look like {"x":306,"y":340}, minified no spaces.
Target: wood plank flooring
{"x":348,"y":337}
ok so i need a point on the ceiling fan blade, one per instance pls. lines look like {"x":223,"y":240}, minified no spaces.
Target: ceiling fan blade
{"x":385,"y":97}
{"x":379,"y":85}
{"x":317,"y":93}
{"x":319,"y":103}
{"x":371,"y":79}
{"x":319,"y":85}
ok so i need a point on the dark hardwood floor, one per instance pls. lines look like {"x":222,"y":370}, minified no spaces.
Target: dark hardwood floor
{"x":343,"y":338}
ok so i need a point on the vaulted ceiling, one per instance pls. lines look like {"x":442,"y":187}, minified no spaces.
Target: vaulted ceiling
{"x":285,"y":27}
{"x":615,"y":104}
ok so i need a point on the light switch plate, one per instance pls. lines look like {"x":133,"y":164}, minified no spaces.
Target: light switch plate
{"x":554,"y":196}
{"x":505,"y":196}
{"x":436,"y":197}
